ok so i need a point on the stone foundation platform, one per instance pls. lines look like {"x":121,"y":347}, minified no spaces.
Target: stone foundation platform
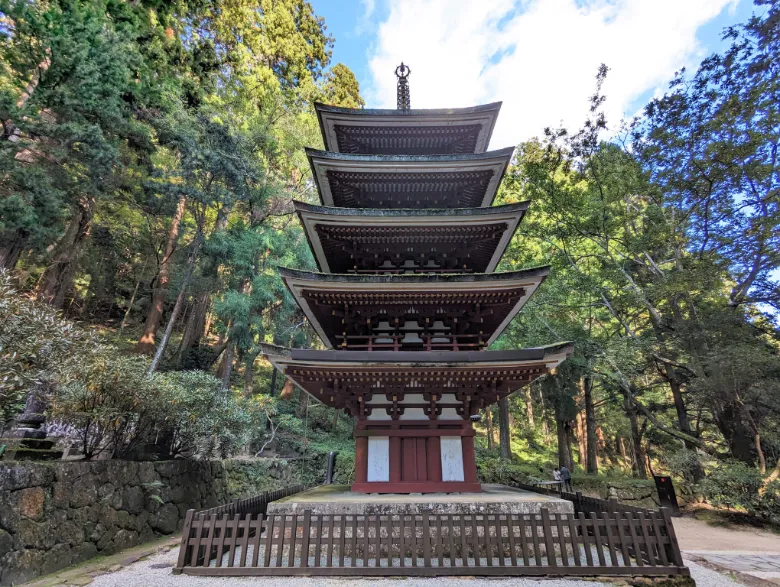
{"x":494,"y":499}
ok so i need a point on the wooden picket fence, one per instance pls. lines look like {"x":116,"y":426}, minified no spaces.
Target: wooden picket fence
{"x":583,"y":503}
{"x":256,"y":505}
{"x":601,"y":543}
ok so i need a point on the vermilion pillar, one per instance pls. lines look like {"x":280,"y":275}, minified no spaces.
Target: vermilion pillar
{"x":395,"y":459}
{"x":434,"y":459}
{"x":361,"y":459}
{"x":469,"y":460}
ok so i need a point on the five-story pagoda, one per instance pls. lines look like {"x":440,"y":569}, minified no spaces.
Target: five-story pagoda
{"x":407,"y":299}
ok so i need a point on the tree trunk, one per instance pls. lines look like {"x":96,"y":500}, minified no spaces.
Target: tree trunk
{"x":740,"y":438}
{"x":303,"y":404}
{"x":697,"y":471}
{"x":564,"y":452}
{"x":12,"y":250}
{"x":249,"y":375}
{"x":227,"y":366}
{"x":57,"y":280}
{"x":177,"y":307}
{"x":761,"y":457}
{"x":147,"y":341}
{"x":569,"y":444}
{"x":582,"y":448}
{"x":273,"y":382}
{"x":679,"y":405}
{"x":590,"y":428}
{"x":195,"y":328}
{"x":639,"y":460}
{"x":503,"y":428}
{"x":621,"y":446}
{"x":529,"y":407}
{"x":489,"y":425}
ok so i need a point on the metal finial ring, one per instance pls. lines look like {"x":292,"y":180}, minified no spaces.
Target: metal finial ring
{"x":402,"y":71}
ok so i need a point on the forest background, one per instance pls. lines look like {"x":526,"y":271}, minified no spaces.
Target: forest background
{"x":150,"y":154}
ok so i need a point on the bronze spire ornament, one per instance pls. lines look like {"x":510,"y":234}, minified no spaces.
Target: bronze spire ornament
{"x":402,"y":73}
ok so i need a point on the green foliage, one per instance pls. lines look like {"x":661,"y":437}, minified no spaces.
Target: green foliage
{"x":114,"y":405}
{"x":737,"y":486}
{"x":342,"y":88}
{"x":662,"y":246}
{"x":492,"y":469}
{"x":106,"y":397}
{"x":37,"y":347}
{"x":733,"y":485}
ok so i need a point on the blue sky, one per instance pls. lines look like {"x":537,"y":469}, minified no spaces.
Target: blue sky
{"x":537,"y":56}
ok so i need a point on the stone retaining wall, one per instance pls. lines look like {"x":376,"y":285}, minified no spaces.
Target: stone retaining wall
{"x":53,"y":515}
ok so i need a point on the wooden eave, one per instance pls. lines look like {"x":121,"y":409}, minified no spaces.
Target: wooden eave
{"x":409,"y":132}
{"x":490,"y":300}
{"x":350,"y":380}
{"x":408,"y":181}
{"x":335,"y":233}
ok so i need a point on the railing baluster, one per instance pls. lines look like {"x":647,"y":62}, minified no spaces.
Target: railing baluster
{"x":660,"y":547}
{"x":645,"y":539}
{"x":305,"y":541}
{"x":597,"y":536}
{"x":548,"y":538}
{"x":329,"y":555}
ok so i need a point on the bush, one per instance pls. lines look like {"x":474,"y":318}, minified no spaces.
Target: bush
{"x":732,"y":484}
{"x":496,"y":470}
{"x":116,"y":406}
{"x":105,"y":399}
{"x":738,"y":486}
{"x":109,"y":402}
{"x":201,"y":417}
{"x":36,"y":347}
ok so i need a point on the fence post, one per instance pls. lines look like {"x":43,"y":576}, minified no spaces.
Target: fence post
{"x":674,"y":546}
{"x":613,"y":505}
{"x":185,"y":538}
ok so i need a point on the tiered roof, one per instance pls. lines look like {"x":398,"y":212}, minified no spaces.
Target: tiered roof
{"x":366,"y":381}
{"x":415,"y":312}
{"x":408,"y":132}
{"x":350,"y":240}
{"x":408,"y":181}
{"x":407,"y":244}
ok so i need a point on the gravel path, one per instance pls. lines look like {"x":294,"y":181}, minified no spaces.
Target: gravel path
{"x":156,"y":572}
{"x":693,"y":535}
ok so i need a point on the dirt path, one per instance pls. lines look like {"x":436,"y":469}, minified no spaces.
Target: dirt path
{"x":696,"y":535}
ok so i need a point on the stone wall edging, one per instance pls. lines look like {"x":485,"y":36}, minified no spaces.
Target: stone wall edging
{"x":53,"y":515}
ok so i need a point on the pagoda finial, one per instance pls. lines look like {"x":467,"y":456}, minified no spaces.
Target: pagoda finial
{"x":402,"y":72}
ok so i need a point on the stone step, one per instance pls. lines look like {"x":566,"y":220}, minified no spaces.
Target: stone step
{"x":31,"y":454}
{"x":36,"y":443}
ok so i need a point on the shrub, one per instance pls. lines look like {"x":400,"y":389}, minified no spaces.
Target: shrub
{"x":767,"y":506}
{"x":202,"y":418}
{"x":732,"y":484}
{"x":110,"y":402}
{"x":496,"y":470}
{"x":36,"y":347}
{"x":735,"y":485}
{"x":105,"y":399}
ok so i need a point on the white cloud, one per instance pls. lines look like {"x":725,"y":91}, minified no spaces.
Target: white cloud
{"x":551,"y":50}
{"x":364,"y":22}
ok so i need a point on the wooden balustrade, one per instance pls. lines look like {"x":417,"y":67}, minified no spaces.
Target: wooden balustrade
{"x":601,"y":543}
{"x":453,"y":342}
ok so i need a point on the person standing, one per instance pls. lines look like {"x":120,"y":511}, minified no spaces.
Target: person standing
{"x":566,"y":478}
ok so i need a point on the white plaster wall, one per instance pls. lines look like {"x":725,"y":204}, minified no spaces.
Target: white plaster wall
{"x":413,"y":414}
{"x":379,"y":458}
{"x":451,"y":458}
{"x":449,"y":414}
